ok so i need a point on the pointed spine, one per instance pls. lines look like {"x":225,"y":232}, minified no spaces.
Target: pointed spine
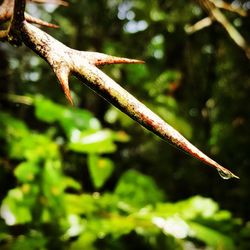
{"x":64,"y":60}
{"x":119,"y":97}
{"x":100,"y":59}
{"x":38,"y":21}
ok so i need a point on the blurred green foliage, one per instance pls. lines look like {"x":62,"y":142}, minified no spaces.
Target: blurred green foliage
{"x":45,"y":196}
{"x":87,"y":177}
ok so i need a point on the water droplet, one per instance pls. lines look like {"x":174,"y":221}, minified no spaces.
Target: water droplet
{"x":226,"y":174}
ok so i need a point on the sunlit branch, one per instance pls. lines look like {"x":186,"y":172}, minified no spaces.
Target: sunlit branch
{"x":84,"y":65}
{"x":58,"y":2}
{"x":205,"y":22}
{"x":230,"y":7}
{"x":6,"y":12}
{"x":66,"y":61}
{"x":218,"y":16}
{"x":17,"y":98}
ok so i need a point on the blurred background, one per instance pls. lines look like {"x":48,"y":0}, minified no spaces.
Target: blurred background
{"x":88,"y":177}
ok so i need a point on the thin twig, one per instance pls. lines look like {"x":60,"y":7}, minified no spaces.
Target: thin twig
{"x":205,"y":22}
{"x":218,"y":16}
{"x":18,"y":98}
{"x":58,"y":2}
{"x":6,"y":12}
{"x":230,"y":7}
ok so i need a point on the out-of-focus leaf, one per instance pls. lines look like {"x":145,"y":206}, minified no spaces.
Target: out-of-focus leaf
{"x":15,"y":209}
{"x":69,"y":118}
{"x":137,"y":73}
{"x":46,"y":110}
{"x":26,"y":171}
{"x":80,"y":204}
{"x":34,"y":147}
{"x":53,"y":185}
{"x":71,"y":183}
{"x":189,"y":209}
{"x":11,"y":127}
{"x":138,"y":189}
{"x":156,"y":46}
{"x":113,"y":224}
{"x":92,"y":141}
{"x":120,"y":136}
{"x":3,"y":231}
{"x":80,"y":119}
{"x":163,"y":84}
{"x":212,"y":237}
{"x":100,"y":169}
{"x":86,"y":240}
{"x":173,"y":225}
{"x":33,"y":240}
{"x":114,"y":115}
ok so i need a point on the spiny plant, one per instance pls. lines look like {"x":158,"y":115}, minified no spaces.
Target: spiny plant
{"x":65,"y":61}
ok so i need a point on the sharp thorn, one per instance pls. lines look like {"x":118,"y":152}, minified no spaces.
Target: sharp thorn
{"x":63,"y":77}
{"x":100,"y":59}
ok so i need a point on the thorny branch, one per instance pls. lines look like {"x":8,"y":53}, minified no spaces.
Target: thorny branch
{"x":212,"y":7}
{"x":84,"y":65}
{"x":6,"y":13}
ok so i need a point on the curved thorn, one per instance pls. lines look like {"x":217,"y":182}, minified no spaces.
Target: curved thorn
{"x":62,"y":74}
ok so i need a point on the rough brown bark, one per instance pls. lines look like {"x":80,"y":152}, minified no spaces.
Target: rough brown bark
{"x":84,"y":65}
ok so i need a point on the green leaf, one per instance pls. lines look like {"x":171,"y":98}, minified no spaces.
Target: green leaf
{"x":100,"y":169}
{"x":69,"y":118}
{"x":121,"y":136}
{"x":71,"y":183}
{"x":26,"y":171}
{"x":53,"y":181}
{"x":11,"y":127}
{"x":138,"y":189}
{"x":46,"y":110}
{"x":212,"y":237}
{"x":137,"y":73}
{"x":92,"y":141}
{"x":85,"y":241}
{"x":15,"y":208}
{"x":34,"y":147}
{"x":192,"y":208}
{"x":72,"y":119}
{"x":80,"y":204}
{"x":34,"y":240}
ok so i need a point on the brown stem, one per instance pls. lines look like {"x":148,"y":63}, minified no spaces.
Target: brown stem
{"x":18,"y":14}
{"x":84,"y":65}
{"x":65,"y":61}
{"x":14,"y":10}
{"x":14,"y":36}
